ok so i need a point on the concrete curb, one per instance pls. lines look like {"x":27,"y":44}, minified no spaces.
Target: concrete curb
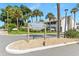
{"x":13,"y":51}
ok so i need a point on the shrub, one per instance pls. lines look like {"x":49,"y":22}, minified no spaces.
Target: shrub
{"x":72,"y":34}
{"x":22,"y":29}
{"x":10,"y":27}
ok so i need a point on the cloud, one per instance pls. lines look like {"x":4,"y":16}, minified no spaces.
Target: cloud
{"x":35,"y":6}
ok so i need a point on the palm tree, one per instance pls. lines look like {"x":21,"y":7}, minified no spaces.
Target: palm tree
{"x":40,"y":14}
{"x":58,"y":15}
{"x":17,"y":15}
{"x":3,"y":17}
{"x":50,"y":16}
{"x":25,"y":9}
{"x":8,"y":10}
{"x":69,"y":22}
{"x":26,"y":12}
{"x":31,"y":15}
{"x":36,"y":13}
{"x":25,"y":18}
{"x":74,"y":10}
{"x":65,"y":21}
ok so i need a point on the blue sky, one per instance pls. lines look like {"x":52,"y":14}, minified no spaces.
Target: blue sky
{"x":45,"y":7}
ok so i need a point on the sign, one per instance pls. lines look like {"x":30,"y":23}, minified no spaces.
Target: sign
{"x":37,"y":26}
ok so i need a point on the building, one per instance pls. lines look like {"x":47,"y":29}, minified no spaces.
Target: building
{"x":52,"y":25}
{"x":69,"y":23}
{"x":77,"y":26}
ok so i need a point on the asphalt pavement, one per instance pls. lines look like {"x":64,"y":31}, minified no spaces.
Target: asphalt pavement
{"x":7,"y":39}
{"x":69,"y":50}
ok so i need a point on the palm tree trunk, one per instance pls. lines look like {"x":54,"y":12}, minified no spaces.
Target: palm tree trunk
{"x":36,"y":19}
{"x":68,"y":22}
{"x":25,"y":23}
{"x":74,"y":20}
{"x":65,"y":23}
{"x":32,"y":19}
{"x":7,"y":21}
{"x":50,"y":26}
{"x":58,"y":15}
{"x":5,"y":24}
{"x":17,"y":24}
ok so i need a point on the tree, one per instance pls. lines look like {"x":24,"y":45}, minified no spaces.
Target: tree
{"x":31,"y":15}
{"x":26,"y":11}
{"x":17,"y":15}
{"x":36,"y":13}
{"x":50,"y":16}
{"x":3,"y":17}
{"x":69,"y":22}
{"x":8,"y":11}
{"x":74,"y":10}
{"x":40,"y":14}
{"x":26,"y":14}
{"x":25,"y":18}
{"x":65,"y":21}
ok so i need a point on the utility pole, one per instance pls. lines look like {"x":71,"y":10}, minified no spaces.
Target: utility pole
{"x":58,"y":17}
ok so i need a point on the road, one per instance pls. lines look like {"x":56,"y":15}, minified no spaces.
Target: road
{"x":5,"y":40}
{"x":59,"y":51}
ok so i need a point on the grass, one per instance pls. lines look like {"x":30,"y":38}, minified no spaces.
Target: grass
{"x":17,"y":32}
{"x":24,"y":32}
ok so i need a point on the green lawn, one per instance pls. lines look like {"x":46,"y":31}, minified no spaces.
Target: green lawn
{"x":24,"y":32}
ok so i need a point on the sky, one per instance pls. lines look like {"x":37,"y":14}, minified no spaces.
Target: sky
{"x":46,"y":8}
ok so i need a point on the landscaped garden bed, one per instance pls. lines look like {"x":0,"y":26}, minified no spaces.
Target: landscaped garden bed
{"x":28,"y":44}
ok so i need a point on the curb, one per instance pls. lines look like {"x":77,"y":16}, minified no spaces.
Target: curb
{"x":12,"y":51}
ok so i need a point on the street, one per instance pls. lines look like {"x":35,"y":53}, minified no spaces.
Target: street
{"x":59,"y":51}
{"x":5,"y":40}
